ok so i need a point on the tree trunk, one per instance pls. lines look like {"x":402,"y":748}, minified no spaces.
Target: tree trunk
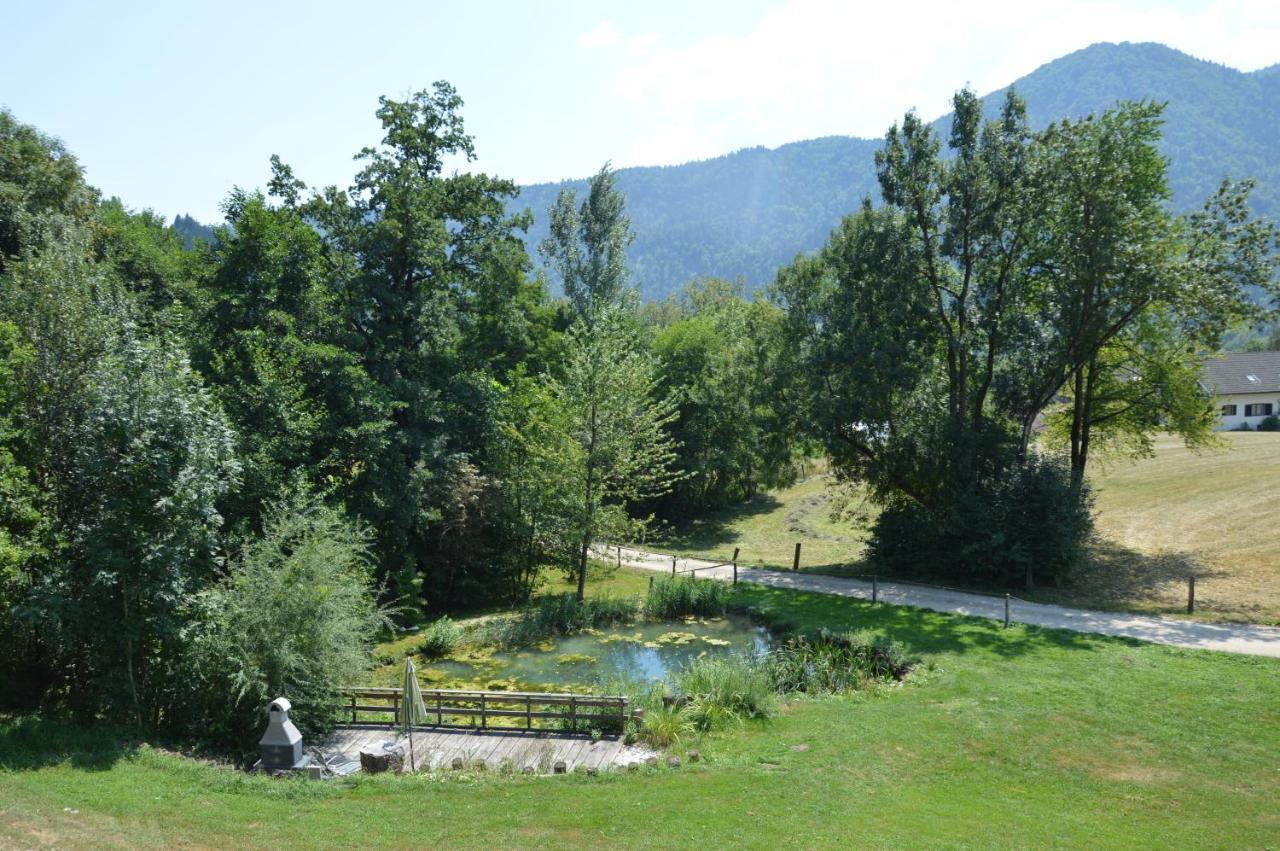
{"x":582,"y":568}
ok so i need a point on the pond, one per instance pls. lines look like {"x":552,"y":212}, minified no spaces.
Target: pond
{"x":643,"y":651}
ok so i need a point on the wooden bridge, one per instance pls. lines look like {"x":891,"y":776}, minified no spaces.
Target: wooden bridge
{"x":531,"y":732}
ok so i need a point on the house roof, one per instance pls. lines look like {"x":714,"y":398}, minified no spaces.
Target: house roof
{"x":1243,"y":372}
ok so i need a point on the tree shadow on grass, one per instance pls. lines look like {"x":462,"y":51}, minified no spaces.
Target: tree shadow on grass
{"x":716,"y":528}
{"x":1118,"y":578}
{"x":28,"y":743}
{"x":922,"y":630}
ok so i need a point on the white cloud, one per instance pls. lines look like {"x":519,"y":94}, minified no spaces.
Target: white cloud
{"x":820,"y":67}
{"x":601,"y":35}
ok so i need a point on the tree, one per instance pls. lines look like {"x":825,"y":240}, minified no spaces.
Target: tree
{"x":933,"y":333}
{"x":735,"y":433}
{"x":41,"y":186}
{"x":617,"y":449}
{"x":424,"y":274}
{"x":587,"y":247}
{"x":294,"y":616}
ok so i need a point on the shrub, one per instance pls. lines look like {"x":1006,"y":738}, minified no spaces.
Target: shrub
{"x":1028,"y":523}
{"x":677,"y":596}
{"x":295,"y":618}
{"x":1271,"y":423}
{"x":439,"y":638}
{"x":664,"y":726}
{"x":726,"y":689}
{"x":832,"y":664}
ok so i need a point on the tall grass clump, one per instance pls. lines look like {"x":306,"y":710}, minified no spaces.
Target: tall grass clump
{"x":556,"y":614}
{"x":677,"y":596}
{"x":440,"y":637}
{"x":724,"y":690}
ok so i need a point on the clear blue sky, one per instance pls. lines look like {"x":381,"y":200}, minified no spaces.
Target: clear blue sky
{"x":170,"y":105}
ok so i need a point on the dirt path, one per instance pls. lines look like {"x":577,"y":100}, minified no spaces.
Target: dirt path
{"x":1230,"y":638}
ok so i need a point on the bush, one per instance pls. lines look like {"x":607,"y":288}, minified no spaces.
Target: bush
{"x":1271,"y":423}
{"x":439,"y":638}
{"x":726,"y":689}
{"x":833,"y":664}
{"x":1027,"y":524}
{"x":556,"y":614}
{"x":294,"y":618}
{"x":677,"y":596}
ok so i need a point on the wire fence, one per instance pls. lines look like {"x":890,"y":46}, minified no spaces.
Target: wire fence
{"x":871,"y":578}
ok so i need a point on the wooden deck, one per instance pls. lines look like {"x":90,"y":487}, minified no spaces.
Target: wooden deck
{"x":435,"y":748}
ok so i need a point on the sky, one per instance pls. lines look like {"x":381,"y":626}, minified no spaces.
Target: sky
{"x":171,"y":105}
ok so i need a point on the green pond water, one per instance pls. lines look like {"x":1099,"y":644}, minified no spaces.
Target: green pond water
{"x":643,"y":651}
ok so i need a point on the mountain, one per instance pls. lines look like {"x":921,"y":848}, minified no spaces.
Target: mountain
{"x":747,"y":213}
{"x":189,"y":230}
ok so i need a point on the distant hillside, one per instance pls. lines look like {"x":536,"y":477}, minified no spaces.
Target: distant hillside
{"x":189,"y":230}
{"x":751,"y":211}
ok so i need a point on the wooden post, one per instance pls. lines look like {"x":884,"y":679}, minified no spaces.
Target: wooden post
{"x":650,"y":582}
{"x":673,"y":565}
{"x":484,"y":715}
{"x":573,"y":714}
{"x":795,"y":564}
{"x":439,"y":713}
{"x":1191,"y":595}
{"x":1006,"y":610}
{"x":528,"y":712}
{"x":353,"y":708}
{"x":395,"y":706}
{"x":875,"y":590}
{"x":735,"y":565}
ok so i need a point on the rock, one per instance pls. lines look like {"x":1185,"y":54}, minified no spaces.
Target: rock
{"x":694,"y":755}
{"x":457,"y":763}
{"x":799,"y":748}
{"x":651,"y":760}
{"x":528,"y":769}
{"x":673,"y":761}
{"x":560,"y":767}
{"x":479,"y":764}
{"x":633,"y":766}
{"x":376,"y":763}
{"x":592,"y":771}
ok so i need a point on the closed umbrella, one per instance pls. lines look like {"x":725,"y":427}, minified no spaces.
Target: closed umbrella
{"x":412,"y":711}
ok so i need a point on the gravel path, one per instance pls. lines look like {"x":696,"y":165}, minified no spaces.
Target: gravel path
{"x":1230,"y":638}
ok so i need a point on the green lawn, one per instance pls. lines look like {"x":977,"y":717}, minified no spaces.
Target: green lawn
{"x":1214,"y":513}
{"x":1018,"y":737}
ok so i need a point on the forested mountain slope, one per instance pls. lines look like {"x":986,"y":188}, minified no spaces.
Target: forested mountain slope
{"x":751,"y":211}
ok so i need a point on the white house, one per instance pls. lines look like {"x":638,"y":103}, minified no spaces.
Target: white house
{"x":1246,"y":386}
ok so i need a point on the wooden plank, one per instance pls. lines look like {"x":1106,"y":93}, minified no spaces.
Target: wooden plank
{"x":573,"y":752}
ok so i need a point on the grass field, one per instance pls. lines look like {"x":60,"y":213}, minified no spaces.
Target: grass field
{"x":1020,"y":737}
{"x":1215,"y":514}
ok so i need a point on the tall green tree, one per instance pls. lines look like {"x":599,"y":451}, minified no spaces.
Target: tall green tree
{"x":735,"y":430}
{"x":934,"y":332}
{"x":618,"y":449}
{"x":429,"y":275}
{"x":131,"y":456}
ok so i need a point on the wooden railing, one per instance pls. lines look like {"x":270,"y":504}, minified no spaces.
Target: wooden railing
{"x":448,"y":708}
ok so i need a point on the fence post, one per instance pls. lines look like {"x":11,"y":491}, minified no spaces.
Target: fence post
{"x":1191,"y":594}
{"x":875,"y":589}
{"x":1006,"y":610}
{"x":795,"y":564}
{"x":673,"y":565}
{"x":619,"y":555}
{"x":735,"y":565}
